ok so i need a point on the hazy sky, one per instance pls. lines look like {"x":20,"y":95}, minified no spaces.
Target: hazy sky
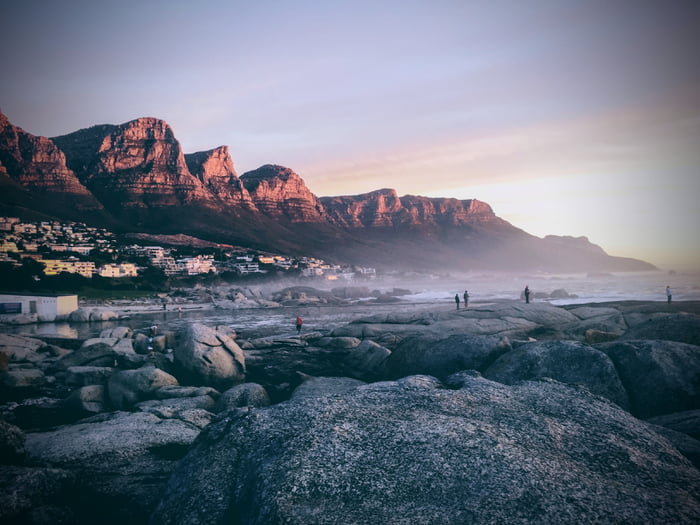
{"x":567,"y":117}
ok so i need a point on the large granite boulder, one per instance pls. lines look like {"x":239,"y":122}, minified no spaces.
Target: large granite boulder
{"x":86,"y":401}
{"x":84,"y":315}
{"x":412,"y":452}
{"x":20,"y":379}
{"x":23,"y":349}
{"x":245,"y":395}
{"x":128,"y":387}
{"x":513,"y":320}
{"x":683,"y":328}
{"x":210,"y":357}
{"x":120,"y":460}
{"x":661,"y":377}
{"x":93,"y":352}
{"x":88,"y":375}
{"x":606,"y":320}
{"x":420,"y":355}
{"x":566,"y":361}
{"x":367,"y":361}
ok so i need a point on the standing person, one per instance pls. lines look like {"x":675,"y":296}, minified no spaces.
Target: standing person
{"x":527,"y":294}
{"x":300,"y":322}
{"x":457,"y":300}
{"x":466,"y":298}
{"x":668,"y":294}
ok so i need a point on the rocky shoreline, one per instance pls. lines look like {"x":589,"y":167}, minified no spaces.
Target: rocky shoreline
{"x":501,"y":412}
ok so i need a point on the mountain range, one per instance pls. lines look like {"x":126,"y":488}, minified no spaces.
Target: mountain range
{"x":135,"y":177}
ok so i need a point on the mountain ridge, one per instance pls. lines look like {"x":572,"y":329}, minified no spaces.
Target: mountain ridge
{"x":135,"y":177}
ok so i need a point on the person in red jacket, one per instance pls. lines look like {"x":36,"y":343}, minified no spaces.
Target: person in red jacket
{"x":300,"y":322}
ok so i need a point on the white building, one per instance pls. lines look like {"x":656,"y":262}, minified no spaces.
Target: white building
{"x":118,"y":270}
{"x":7,"y":246}
{"x":56,"y":266}
{"x":196,"y":265}
{"x":369,"y":273}
{"x":24,"y":227}
{"x":247,"y":267}
{"x":154,"y":252}
{"x":167,"y":264}
{"x":82,"y":249}
{"x":47,"y":307}
{"x":6,"y":223}
{"x":311,"y":272}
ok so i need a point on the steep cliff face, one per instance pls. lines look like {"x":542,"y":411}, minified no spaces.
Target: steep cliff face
{"x":280,"y":193}
{"x":133,"y":165}
{"x":214,"y":169}
{"x":385,"y":209}
{"x":36,"y":163}
{"x":452,"y":212}
{"x":376,"y":209}
{"x":135,"y":177}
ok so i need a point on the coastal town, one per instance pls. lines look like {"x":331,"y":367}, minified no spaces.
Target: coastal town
{"x":77,"y":248}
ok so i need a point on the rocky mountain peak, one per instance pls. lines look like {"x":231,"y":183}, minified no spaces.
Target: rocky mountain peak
{"x":279,"y":192}
{"x":214,"y":168}
{"x":4,"y":121}
{"x":36,"y":163}
{"x":211,"y":164}
{"x":137,"y":164}
{"x":136,"y":176}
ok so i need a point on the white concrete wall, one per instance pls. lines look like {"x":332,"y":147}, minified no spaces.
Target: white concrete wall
{"x":47,"y":308}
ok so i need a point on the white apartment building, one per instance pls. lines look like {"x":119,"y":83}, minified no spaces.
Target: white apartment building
{"x":118,"y":270}
{"x":82,"y":249}
{"x":6,"y":223}
{"x":196,"y":265}
{"x":245,"y":268}
{"x":24,"y":227}
{"x":167,"y":264}
{"x":56,"y":266}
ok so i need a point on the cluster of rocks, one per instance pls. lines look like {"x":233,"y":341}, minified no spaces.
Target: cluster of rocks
{"x":103,"y":424}
{"x":238,"y":298}
{"x":502,"y":413}
{"x":235,"y":298}
{"x":80,"y":315}
{"x":308,"y":296}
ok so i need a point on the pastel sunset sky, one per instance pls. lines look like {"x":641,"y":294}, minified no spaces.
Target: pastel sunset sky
{"x":567,"y":117}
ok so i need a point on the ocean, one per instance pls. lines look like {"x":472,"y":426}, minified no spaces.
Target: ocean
{"x":426,"y":292}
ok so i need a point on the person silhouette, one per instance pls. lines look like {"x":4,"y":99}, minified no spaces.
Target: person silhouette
{"x":668,"y":294}
{"x":466,"y":298}
{"x":457,"y":300}
{"x":527,"y":294}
